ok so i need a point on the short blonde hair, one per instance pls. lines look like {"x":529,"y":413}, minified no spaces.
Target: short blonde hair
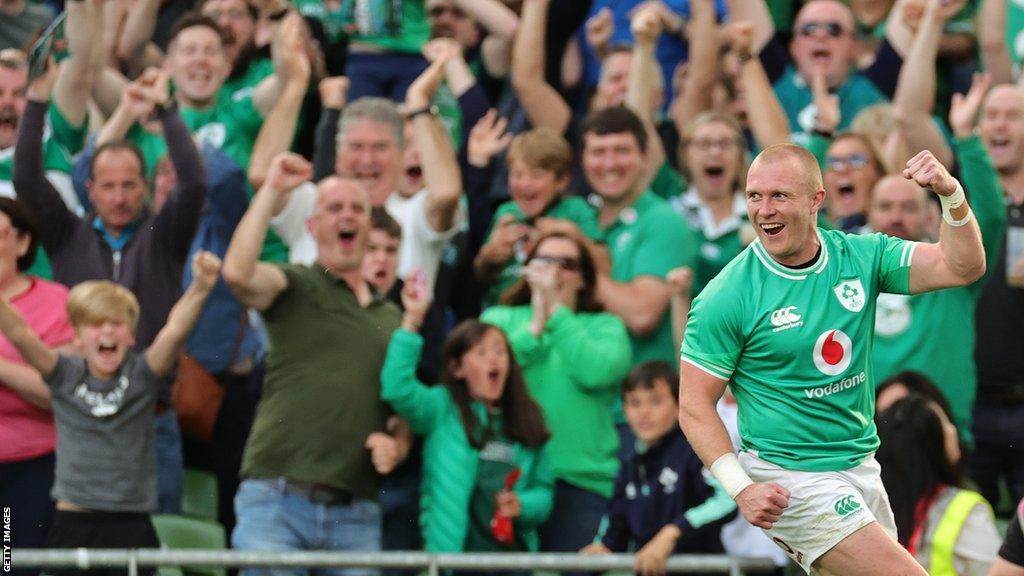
{"x":543,"y":149}
{"x":97,"y":301}
{"x":810,"y":172}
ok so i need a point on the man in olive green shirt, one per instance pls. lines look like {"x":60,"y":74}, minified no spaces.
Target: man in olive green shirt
{"x":321,"y":417}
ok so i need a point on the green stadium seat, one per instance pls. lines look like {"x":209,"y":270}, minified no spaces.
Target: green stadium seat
{"x":199,"y":494}
{"x":182,"y":532}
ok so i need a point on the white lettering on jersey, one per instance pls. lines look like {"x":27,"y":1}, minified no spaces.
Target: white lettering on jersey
{"x":839,"y":386}
{"x":786,"y":318}
{"x":101,"y":404}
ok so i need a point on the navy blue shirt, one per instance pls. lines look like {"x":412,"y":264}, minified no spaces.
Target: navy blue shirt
{"x":667,"y":484}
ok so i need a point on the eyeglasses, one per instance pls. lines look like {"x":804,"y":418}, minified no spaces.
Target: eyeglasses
{"x":833,"y":29}
{"x":853,"y":162}
{"x":438,"y":11}
{"x":567,"y":264}
{"x":706,"y":144}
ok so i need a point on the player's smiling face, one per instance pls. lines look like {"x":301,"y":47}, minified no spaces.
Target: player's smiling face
{"x":783,"y":209}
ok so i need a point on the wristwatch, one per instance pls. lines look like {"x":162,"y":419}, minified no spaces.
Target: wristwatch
{"x":431,"y":109}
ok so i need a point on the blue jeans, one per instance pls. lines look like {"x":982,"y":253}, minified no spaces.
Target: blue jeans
{"x":169,"y":465}
{"x":269,"y":518}
{"x":574,"y":520}
{"x":25,"y":489}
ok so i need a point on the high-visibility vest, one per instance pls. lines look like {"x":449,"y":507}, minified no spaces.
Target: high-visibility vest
{"x":948,"y":531}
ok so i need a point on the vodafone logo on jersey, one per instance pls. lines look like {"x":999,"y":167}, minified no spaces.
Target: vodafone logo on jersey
{"x":833,"y":352}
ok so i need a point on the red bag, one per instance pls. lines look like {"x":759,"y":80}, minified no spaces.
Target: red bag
{"x":501,"y":526}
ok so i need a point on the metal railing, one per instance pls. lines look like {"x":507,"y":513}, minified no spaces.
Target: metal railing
{"x":85,"y":558}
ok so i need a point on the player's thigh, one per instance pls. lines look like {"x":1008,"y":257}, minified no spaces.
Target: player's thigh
{"x":886,"y":557}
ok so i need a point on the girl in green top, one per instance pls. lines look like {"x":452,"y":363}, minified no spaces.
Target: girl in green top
{"x":482,"y":431}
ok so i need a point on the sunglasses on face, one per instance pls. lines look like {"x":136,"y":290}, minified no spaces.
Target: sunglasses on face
{"x":438,"y":11}
{"x":567,"y":264}
{"x":833,"y":29}
{"x":853,"y":161}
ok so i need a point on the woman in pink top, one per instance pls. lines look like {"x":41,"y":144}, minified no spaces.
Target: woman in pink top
{"x":27,"y":435}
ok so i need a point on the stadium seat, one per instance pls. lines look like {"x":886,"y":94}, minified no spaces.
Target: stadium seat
{"x":199,"y":494}
{"x":182,"y":532}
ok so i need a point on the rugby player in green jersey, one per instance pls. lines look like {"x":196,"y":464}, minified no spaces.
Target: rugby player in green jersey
{"x":788,"y":326}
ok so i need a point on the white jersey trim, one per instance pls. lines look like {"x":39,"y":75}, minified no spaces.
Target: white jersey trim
{"x":784,"y":271}
{"x":703,"y":368}
{"x":908,"y":254}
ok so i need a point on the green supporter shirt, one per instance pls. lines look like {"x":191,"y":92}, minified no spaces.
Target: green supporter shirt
{"x":61,"y":141}
{"x":497,"y":459}
{"x":331,"y":20}
{"x":237,"y":88}
{"x":795,"y":347}
{"x":719,"y":242}
{"x":650,"y":239}
{"x":392,"y":25}
{"x":1015,"y":33}
{"x":321,"y":394}
{"x":232,"y":125}
{"x":933,"y":333}
{"x":572,"y":208}
{"x":795,"y":96}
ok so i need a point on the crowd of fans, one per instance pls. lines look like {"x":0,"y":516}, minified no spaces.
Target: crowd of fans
{"x":460,"y":239}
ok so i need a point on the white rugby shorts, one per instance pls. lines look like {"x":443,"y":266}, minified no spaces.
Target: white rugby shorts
{"x":824,"y":507}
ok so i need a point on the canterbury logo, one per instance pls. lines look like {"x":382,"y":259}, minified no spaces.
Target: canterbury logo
{"x":784,"y":318}
{"x":846,"y":504}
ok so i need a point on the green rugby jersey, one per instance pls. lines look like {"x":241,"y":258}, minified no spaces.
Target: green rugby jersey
{"x":795,"y":346}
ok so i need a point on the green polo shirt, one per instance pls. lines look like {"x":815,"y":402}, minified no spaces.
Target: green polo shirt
{"x":392,"y":25}
{"x":238,"y":87}
{"x":650,"y":239}
{"x":321,"y":393}
{"x":795,"y":96}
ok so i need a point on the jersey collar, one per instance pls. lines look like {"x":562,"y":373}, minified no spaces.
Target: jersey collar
{"x":785,"y":271}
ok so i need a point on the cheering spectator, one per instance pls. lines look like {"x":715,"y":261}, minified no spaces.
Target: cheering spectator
{"x":852,"y":168}
{"x":574,"y":355}
{"x":103,"y":401}
{"x":539,"y":163}
{"x":384,"y":46}
{"x":948,"y":529}
{"x":316,"y":395}
{"x":27,"y":436}
{"x":999,"y":407}
{"x":486,"y":480}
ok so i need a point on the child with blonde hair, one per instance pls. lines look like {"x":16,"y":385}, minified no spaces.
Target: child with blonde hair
{"x":104,"y":397}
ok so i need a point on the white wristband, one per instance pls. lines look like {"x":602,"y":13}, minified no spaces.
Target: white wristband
{"x":956,"y":200}
{"x":730,"y":474}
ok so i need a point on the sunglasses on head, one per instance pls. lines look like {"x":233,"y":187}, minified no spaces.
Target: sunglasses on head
{"x":438,"y":11}
{"x":833,"y":29}
{"x":567,"y":264}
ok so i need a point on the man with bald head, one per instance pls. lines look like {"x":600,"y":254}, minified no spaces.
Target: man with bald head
{"x":320,"y":418}
{"x":787,"y":325}
{"x":824,"y":44}
{"x":999,"y":409}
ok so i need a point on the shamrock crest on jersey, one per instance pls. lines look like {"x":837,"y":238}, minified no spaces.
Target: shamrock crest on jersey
{"x":850,"y":294}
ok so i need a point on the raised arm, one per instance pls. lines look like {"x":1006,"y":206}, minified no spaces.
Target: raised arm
{"x":333,"y":95}
{"x":767,"y":118}
{"x":278,"y":128}
{"x":755,"y":12}
{"x":137,"y":33}
{"x":702,"y":68}
{"x":35,"y":351}
{"x":958,"y":258}
{"x":457,"y":74}
{"x":646,"y":26}
{"x":257,"y":284}
{"x":543,"y":104}
{"x":286,"y":51}
{"x":915,"y":87}
{"x":995,"y":51}
{"x":29,"y":178}
{"x":169,"y":342}
{"x":26,"y":382}
{"x":440,"y":168}
{"x":76,"y":74}
{"x":501,"y":24}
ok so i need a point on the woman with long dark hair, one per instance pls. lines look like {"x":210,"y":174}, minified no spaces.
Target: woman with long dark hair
{"x":574,"y":356}
{"x":486,"y":482}
{"x":948,"y":528}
